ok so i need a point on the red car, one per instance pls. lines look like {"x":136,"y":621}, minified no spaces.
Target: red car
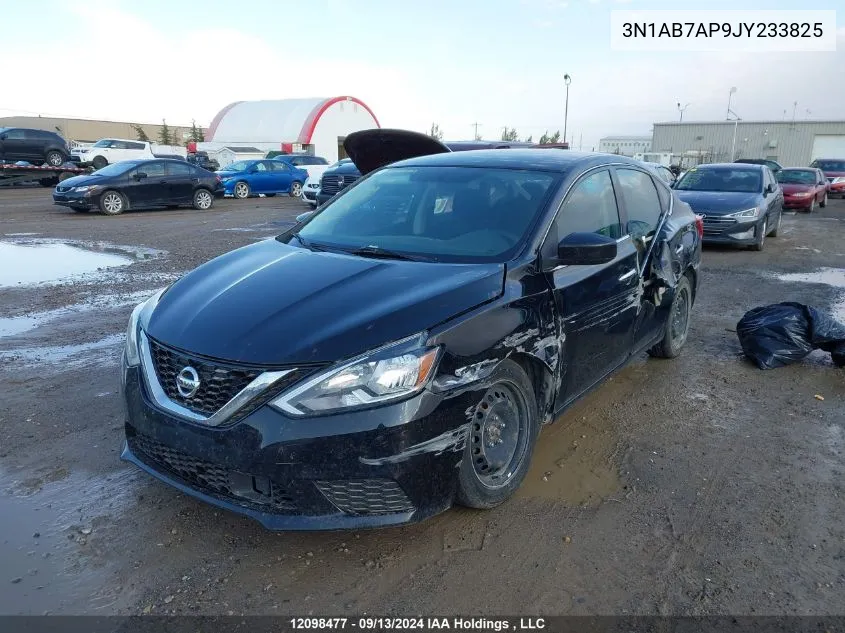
{"x":834,"y":171}
{"x":803,"y":187}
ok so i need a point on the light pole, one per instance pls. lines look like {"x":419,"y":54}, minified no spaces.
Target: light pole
{"x":567,"y":80}
{"x":730,"y":96}
{"x":736,"y":121}
{"x":681,"y":110}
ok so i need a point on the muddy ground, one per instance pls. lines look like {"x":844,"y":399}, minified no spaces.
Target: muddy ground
{"x":695,"y":486}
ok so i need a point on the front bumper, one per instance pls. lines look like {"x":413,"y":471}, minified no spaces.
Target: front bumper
{"x":725,"y":230}
{"x":798,"y":203}
{"x":386,"y":466}
{"x":309,"y":195}
{"x":837,"y":189}
{"x":73,"y":199}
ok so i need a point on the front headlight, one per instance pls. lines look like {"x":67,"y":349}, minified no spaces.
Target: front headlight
{"x":378,"y":378}
{"x":130,"y":351}
{"x":747,"y":214}
{"x":85,"y":188}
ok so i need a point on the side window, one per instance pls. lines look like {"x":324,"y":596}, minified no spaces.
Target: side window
{"x":17,"y":135}
{"x":261,"y":167}
{"x":280,"y":166}
{"x":119,"y":144}
{"x":154,"y":169}
{"x":297,"y":161}
{"x":590,"y":208}
{"x":179,"y":169}
{"x":135,"y":145}
{"x":641,"y":202}
{"x":663,"y":192}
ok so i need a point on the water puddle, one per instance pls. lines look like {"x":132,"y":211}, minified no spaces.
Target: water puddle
{"x":104,"y":352}
{"x":11,"y":326}
{"x":51,"y":540}
{"x":572,"y":463}
{"x":26,"y":262}
{"x":834,"y":277}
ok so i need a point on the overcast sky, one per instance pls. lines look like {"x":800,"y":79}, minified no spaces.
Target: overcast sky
{"x":454,"y":62}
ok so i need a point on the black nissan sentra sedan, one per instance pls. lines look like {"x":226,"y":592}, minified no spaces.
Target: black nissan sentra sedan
{"x":136,"y":184}
{"x":740,"y":204}
{"x":398,"y":351}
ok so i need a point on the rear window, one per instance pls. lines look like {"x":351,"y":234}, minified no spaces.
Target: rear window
{"x":829,"y":165}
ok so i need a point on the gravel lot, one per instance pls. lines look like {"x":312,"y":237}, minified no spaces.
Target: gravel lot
{"x":695,"y":486}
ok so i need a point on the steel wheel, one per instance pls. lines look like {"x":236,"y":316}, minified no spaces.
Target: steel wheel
{"x":111,"y":203}
{"x":296,"y":189}
{"x":499,"y":435}
{"x":202,"y":200}
{"x":242,"y":190}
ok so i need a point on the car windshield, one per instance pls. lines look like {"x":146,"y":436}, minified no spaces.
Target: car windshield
{"x":830,"y":165}
{"x":726,"y":179}
{"x":102,"y":143}
{"x":241,"y":165}
{"x":454,"y":214}
{"x":115,"y":169}
{"x":797,"y":177}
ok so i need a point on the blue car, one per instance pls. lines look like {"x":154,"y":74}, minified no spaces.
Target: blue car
{"x":246,"y":178}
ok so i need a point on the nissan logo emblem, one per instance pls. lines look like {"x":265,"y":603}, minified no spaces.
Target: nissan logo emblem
{"x":187,"y":382}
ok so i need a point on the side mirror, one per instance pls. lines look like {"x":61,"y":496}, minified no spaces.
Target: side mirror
{"x":584,"y":249}
{"x":770,"y":188}
{"x":303,"y":216}
{"x":3,"y":137}
{"x":140,"y":175}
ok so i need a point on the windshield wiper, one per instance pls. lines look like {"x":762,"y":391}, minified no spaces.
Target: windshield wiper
{"x":308,"y":243}
{"x":376,"y":251}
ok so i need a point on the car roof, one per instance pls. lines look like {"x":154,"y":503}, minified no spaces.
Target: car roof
{"x":742,"y":166}
{"x":518,"y":158}
{"x":800,"y":169}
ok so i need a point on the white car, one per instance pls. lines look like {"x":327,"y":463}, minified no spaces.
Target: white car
{"x":113,"y":150}
{"x":312,"y":185}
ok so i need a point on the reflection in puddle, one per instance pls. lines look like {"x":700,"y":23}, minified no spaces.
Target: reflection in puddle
{"x":27,"y":264}
{"x":39,"y":261}
{"x":49,"y":537}
{"x":834,"y":277}
{"x":106,"y":351}
{"x":572,"y":463}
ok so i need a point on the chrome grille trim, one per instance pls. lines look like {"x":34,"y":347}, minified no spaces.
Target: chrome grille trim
{"x":261,"y":383}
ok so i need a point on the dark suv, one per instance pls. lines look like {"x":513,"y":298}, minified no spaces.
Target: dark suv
{"x":38,"y":147}
{"x":202,"y":159}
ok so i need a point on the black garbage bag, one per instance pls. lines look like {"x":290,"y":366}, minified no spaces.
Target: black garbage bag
{"x":783,"y":333}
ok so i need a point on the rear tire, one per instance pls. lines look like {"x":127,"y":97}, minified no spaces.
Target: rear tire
{"x":112,"y":203}
{"x":296,"y":189}
{"x":677,"y":325}
{"x":99,"y":162}
{"x":54,"y":158}
{"x":500,"y":440}
{"x":774,"y":232}
{"x":203,"y":200}
{"x":241,"y":190}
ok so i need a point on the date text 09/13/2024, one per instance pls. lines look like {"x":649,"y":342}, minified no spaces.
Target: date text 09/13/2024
{"x":372,"y":623}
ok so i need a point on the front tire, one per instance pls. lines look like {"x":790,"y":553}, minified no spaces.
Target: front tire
{"x":296,"y":189}
{"x":99,"y":162}
{"x":774,"y":232}
{"x":761,"y":238}
{"x":203,"y":200}
{"x":823,"y":203}
{"x":812,"y":206}
{"x":501,"y":439}
{"x":112,"y":203}
{"x":677,"y":325}
{"x":54,"y":159}
{"x":241,"y":190}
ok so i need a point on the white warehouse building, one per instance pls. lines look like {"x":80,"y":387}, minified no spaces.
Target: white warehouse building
{"x":316,"y":126}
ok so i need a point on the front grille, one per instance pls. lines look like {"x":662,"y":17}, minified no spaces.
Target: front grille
{"x":331,"y":184}
{"x":717,"y":224}
{"x":219,"y":383}
{"x":212,"y":478}
{"x":366,"y":496}
{"x":63,"y":189}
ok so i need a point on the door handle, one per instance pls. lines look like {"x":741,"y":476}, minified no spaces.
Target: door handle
{"x":162,"y":182}
{"x":628,"y":275}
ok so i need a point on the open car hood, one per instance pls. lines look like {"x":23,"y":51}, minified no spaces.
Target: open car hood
{"x":371,"y":149}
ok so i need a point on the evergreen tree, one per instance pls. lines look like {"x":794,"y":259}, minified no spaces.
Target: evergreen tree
{"x":436,"y":132}
{"x":509,"y":134}
{"x":164,"y":137}
{"x":139,"y":133}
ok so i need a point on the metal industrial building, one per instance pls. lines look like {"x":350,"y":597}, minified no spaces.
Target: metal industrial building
{"x":91,"y":130}
{"x":316,"y":126}
{"x":625,"y":145}
{"x":790,"y":143}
